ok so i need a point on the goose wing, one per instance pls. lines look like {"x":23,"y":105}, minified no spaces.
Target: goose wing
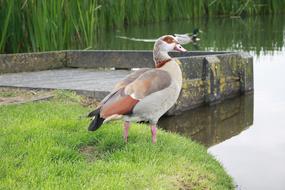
{"x":123,"y":100}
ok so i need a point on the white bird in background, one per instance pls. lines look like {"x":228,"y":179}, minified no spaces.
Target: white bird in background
{"x":180,"y":38}
{"x":188,"y":37}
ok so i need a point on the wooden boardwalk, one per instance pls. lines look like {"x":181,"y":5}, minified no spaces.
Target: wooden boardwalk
{"x":90,"y":82}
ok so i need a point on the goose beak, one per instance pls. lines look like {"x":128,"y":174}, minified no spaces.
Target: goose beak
{"x":178,"y":47}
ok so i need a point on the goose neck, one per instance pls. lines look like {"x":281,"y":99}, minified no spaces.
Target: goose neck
{"x":160,"y":58}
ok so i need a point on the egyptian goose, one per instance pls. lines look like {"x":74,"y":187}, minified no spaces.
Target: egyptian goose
{"x":146,"y":94}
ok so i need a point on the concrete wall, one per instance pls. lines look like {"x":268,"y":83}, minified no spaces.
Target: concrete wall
{"x":24,"y":62}
{"x":126,"y":59}
{"x":212,"y":78}
{"x":208,"y":77}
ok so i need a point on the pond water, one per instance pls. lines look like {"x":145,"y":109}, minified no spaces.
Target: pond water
{"x":246,"y":134}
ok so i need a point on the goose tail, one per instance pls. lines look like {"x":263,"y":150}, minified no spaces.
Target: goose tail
{"x":97,"y":121}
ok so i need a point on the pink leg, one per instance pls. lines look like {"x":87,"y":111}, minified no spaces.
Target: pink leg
{"x":126,"y":130}
{"x":153,"y":133}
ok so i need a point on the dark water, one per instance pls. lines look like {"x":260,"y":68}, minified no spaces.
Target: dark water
{"x":215,"y":124}
{"x":246,"y":134}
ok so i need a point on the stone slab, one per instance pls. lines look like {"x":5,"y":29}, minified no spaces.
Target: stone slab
{"x":210,"y":79}
{"x":124,"y":59}
{"x":90,"y":82}
{"x":25,"y":62}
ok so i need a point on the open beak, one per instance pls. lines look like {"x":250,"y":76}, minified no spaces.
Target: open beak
{"x":178,"y":47}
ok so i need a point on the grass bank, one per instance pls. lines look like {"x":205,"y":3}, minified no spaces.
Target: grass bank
{"x":28,"y":26}
{"x":46,"y":145}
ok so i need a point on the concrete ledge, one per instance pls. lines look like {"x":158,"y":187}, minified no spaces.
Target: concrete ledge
{"x":211,"y":79}
{"x":24,"y":62}
{"x":208,"y":77}
{"x":125,"y":59}
{"x":109,"y":59}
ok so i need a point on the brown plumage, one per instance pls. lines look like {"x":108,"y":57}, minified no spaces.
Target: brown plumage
{"x":114,"y":105}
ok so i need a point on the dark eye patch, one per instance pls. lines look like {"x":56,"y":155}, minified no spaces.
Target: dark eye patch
{"x":168,"y":39}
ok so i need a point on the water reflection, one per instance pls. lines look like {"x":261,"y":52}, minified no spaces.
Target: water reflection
{"x":210,"y":125}
{"x":257,"y":34}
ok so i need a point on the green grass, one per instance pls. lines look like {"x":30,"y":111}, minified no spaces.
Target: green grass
{"x":29,"y":26}
{"x":7,"y":94}
{"x":45,"y":145}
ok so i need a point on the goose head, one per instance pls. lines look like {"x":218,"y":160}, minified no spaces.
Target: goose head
{"x":163,"y":45}
{"x":168,"y":43}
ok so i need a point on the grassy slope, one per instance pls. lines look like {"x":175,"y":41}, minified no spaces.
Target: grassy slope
{"x":46,"y":145}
